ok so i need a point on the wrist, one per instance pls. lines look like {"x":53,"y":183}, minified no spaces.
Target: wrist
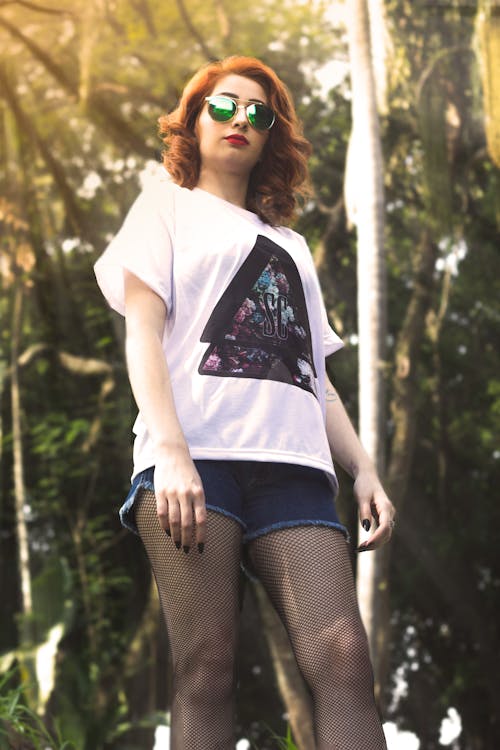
{"x":364,"y":466}
{"x":168,"y":447}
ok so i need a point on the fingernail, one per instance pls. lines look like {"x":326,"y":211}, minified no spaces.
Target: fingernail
{"x":201,"y":547}
{"x":168,"y":532}
{"x":186,"y":548}
{"x":178,"y":545}
{"x":363,"y":549}
{"x":366,"y":524}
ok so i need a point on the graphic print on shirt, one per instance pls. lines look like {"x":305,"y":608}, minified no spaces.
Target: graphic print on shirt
{"x":259,"y":328}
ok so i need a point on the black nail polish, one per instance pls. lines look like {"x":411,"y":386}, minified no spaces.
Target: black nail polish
{"x":168,"y":532}
{"x":178,"y":545}
{"x":186,"y":548}
{"x":366,"y":524}
{"x":201,"y":547}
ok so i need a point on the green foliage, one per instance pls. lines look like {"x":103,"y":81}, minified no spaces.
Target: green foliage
{"x":20,"y":727}
{"x":79,"y":105}
{"x":286,"y":743}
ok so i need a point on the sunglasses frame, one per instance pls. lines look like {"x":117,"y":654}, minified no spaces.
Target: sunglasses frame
{"x":247,"y":103}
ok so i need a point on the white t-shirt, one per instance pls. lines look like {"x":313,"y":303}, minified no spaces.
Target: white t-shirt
{"x":246,"y":334}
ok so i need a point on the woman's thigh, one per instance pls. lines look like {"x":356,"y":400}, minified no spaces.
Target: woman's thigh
{"x":308,"y":575}
{"x":195,"y":589}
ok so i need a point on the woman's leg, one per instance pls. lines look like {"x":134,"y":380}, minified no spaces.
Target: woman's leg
{"x":307,"y":573}
{"x":199,"y":599}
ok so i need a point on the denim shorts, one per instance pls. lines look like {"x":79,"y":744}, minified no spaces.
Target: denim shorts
{"x":262,"y":496}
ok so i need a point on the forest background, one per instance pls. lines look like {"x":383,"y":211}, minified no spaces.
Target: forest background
{"x":81,"y":87}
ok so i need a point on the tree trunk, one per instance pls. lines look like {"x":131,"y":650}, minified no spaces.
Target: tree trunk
{"x":292,"y":687}
{"x":381,"y":50}
{"x":488,"y":51}
{"x":365,"y":205}
{"x":143,"y":669}
{"x":403,"y":411}
{"x":25,"y":635}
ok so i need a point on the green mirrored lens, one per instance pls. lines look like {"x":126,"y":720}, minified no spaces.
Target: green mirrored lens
{"x":221,"y":108}
{"x":260,"y":116}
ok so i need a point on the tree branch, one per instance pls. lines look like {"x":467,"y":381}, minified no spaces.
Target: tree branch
{"x":131,"y":92}
{"x":101,"y":111}
{"x":193,"y":31}
{"x":224,"y":22}
{"x":37,"y":8}
{"x":77,"y":365}
{"x":74,"y":213}
{"x":435,"y":60}
{"x":335,"y":214}
{"x":144,"y":11}
{"x":48,"y":62}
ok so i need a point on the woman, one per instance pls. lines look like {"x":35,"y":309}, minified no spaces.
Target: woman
{"x":226,"y":339}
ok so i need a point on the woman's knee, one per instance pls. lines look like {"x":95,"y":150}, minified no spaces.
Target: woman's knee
{"x":210,"y":651}
{"x":337,"y":652}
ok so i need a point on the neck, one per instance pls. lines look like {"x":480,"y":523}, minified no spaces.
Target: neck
{"x":229,"y":187}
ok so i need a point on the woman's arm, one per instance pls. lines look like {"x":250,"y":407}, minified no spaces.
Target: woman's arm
{"x":178,"y":487}
{"x":347,"y":450}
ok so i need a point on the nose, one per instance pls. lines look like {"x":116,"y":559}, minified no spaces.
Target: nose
{"x":240,"y":117}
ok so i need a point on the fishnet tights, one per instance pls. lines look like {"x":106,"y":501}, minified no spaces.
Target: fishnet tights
{"x":307,"y":574}
{"x":199,"y":599}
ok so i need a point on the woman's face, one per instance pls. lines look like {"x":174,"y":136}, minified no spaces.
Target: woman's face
{"x":233,"y":146}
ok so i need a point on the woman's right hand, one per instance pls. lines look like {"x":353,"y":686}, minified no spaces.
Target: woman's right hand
{"x":180,"y":498}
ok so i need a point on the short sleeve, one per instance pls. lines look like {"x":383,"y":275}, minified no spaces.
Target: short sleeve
{"x":143,"y":246}
{"x":331,"y":342}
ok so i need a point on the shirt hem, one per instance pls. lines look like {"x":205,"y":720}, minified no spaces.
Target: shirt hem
{"x":252,"y":455}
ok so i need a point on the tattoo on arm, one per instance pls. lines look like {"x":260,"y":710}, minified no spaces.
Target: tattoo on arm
{"x":331,"y":395}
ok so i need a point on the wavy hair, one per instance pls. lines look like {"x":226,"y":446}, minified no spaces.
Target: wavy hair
{"x":280,"y":176}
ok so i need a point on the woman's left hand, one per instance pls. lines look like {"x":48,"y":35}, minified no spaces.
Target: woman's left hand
{"x":374,"y":505}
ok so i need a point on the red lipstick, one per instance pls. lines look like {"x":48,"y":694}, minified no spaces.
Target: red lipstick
{"x":237,"y":140}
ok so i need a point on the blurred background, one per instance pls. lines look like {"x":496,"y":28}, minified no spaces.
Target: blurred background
{"x":84,"y":657}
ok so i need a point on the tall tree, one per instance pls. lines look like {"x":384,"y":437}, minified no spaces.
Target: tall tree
{"x":488,"y":49}
{"x":381,"y":52}
{"x":365,"y":208}
{"x":18,"y":262}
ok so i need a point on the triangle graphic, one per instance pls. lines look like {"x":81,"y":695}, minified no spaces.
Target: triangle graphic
{"x":259,"y":328}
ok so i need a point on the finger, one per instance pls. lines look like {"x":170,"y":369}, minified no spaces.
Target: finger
{"x":186,"y":507}
{"x":378,"y":538}
{"x":386,"y":520}
{"x":364,"y":548}
{"x":175,"y":522}
{"x":365,"y":514}
{"x":200,"y":518}
{"x":162,"y":511}
{"x":375,"y":513}
{"x":374,"y":541}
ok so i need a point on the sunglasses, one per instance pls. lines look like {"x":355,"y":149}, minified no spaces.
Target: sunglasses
{"x":223,"y":108}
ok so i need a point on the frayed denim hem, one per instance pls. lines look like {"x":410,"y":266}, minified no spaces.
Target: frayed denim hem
{"x":144,"y":480}
{"x":245,"y":563}
{"x":297,"y":522}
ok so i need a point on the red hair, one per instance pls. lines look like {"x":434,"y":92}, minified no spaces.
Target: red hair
{"x":280,"y":176}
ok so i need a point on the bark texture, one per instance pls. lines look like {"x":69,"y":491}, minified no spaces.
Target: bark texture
{"x":365,"y":209}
